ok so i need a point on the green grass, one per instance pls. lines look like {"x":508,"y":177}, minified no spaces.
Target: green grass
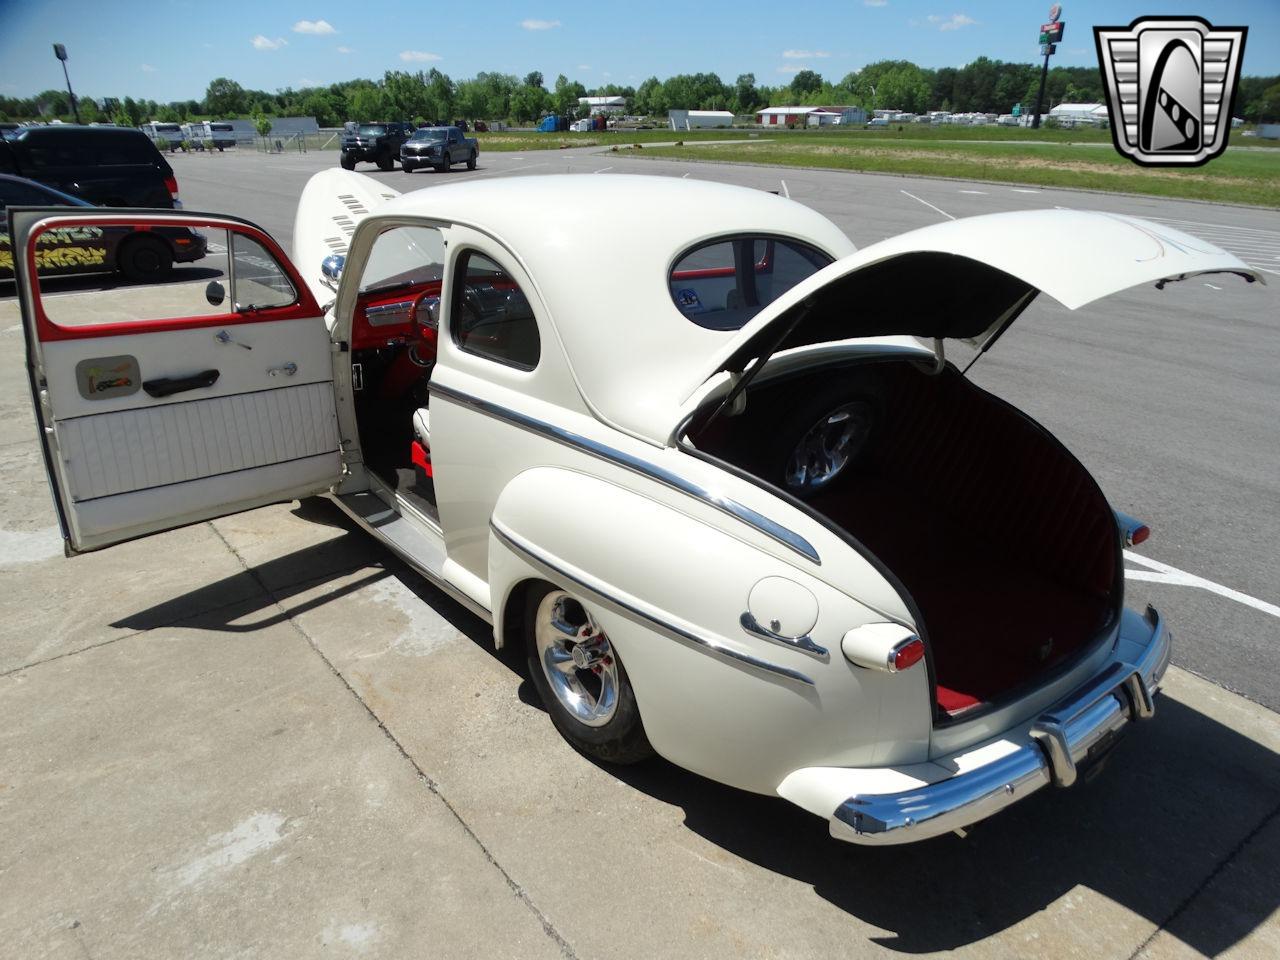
{"x":1239,"y":176}
{"x":515,"y":140}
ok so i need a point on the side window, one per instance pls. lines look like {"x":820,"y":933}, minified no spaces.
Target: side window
{"x":490,"y":316}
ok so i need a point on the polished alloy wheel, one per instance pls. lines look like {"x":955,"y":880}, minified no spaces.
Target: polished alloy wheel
{"x":577,"y":659}
{"x":827,"y":447}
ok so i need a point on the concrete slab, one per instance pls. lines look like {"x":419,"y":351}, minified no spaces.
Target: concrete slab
{"x":1089,"y":872}
{"x":197,"y":791}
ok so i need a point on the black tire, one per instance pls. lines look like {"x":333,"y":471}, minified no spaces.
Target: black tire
{"x":144,"y":259}
{"x":621,"y":739}
{"x":386,"y":162}
{"x":471,"y":162}
{"x":407,"y":168}
{"x":347,"y":162}
{"x":447,"y":163}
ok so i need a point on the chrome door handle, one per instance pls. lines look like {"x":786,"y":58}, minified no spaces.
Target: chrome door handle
{"x":288,"y":369}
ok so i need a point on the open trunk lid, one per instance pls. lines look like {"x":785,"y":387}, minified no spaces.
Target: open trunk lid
{"x":969,"y":279}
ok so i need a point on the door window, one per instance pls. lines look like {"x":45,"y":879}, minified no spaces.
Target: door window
{"x":490,"y":316}
{"x":98,"y":275}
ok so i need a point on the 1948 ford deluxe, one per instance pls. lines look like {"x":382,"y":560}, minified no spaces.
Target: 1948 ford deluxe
{"x":703,"y":460}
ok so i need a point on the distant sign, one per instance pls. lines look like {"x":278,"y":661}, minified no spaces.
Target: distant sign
{"x":1055,"y":12}
{"x":1052,"y":32}
{"x":1048,"y":49}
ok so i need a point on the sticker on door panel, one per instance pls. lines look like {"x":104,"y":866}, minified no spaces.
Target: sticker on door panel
{"x":100,"y":378}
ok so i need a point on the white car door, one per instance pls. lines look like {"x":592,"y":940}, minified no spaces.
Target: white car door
{"x":191,"y":379}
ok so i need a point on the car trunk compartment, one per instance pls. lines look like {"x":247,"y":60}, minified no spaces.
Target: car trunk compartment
{"x":998,"y":534}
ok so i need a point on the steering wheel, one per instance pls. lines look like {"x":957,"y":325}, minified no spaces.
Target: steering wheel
{"x":423,"y":316}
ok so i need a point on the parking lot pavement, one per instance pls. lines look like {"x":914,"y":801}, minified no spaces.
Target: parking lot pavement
{"x":264,"y":737}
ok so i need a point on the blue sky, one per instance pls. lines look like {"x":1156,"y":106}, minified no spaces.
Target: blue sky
{"x":171,"y":50}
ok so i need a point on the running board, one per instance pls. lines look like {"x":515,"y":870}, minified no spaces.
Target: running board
{"x":407,"y":540}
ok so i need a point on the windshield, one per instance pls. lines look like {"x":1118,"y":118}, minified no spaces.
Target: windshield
{"x":372,"y":130}
{"x":434,"y":135}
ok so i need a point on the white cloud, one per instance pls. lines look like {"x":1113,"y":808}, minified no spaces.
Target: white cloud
{"x":539,"y":24}
{"x":314,"y":26}
{"x":344,"y":50}
{"x":148,"y":68}
{"x":418,"y":56}
{"x":804,"y":54}
{"x":583,"y":66}
{"x":266,"y":43}
{"x":953,"y":22}
{"x":795,"y":69}
{"x":875,"y":3}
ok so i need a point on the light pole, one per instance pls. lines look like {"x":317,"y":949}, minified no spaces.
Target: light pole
{"x":60,"y":52}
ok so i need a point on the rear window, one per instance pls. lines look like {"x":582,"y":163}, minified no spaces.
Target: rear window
{"x":723,"y":284}
{"x":372,"y":130}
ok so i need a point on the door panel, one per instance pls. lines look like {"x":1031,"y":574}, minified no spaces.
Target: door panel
{"x":203,"y":390}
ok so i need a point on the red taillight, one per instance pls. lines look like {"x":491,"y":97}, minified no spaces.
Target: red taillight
{"x":907,"y":654}
{"x":171,"y":184}
{"x":1138,"y":534}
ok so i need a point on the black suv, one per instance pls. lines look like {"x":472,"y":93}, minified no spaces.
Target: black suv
{"x":108,"y":166}
{"x":378,"y":142}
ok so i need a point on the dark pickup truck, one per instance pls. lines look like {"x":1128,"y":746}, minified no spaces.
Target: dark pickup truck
{"x":438,"y":147}
{"x":378,"y":142}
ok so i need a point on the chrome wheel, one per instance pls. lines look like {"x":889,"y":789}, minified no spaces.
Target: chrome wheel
{"x":827,"y":447}
{"x":577,"y":659}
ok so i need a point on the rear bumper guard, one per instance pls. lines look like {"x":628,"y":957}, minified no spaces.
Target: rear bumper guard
{"x":1076,"y":730}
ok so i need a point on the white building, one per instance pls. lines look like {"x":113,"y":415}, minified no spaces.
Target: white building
{"x":603,"y":104}
{"x":699,"y":119}
{"x":1080,"y":114}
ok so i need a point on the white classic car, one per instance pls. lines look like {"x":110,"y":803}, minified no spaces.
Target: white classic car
{"x":706,"y":462}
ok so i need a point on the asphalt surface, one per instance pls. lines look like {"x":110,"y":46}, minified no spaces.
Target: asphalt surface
{"x":1171,"y":398}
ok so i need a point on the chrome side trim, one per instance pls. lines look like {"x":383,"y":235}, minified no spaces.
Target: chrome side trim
{"x":1060,"y":739}
{"x":599,"y":593}
{"x":802,"y":643}
{"x":770,"y":528}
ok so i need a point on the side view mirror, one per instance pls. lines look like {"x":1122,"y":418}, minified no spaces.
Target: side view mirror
{"x":331,"y":269}
{"x":215,"y":293}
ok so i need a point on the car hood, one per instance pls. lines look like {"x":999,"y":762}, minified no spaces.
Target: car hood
{"x":968,"y":279}
{"x":332,"y":203}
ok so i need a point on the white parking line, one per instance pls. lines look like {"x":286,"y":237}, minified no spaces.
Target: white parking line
{"x":928,"y":204}
{"x":602,"y":170}
{"x":976,"y":193}
{"x":1212,"y":287}
{"x":1163,"y":573}
{"x":1022,"y":190}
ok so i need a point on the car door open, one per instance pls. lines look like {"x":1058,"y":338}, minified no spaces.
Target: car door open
{"x":202,"y":390}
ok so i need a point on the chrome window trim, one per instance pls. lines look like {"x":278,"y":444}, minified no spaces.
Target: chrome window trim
{"x":770,"y":528}
{"x":598,"y":593}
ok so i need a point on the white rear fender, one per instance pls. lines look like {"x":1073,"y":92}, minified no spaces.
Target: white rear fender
{"x":729,"y":696}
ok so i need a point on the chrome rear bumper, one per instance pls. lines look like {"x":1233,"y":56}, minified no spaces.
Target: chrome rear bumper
{"x":1077,"y":729}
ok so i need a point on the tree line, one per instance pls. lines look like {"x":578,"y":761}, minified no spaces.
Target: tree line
{"x":983,"y":86}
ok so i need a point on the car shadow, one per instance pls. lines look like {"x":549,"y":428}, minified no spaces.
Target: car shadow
{"x":1177,"y":797}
